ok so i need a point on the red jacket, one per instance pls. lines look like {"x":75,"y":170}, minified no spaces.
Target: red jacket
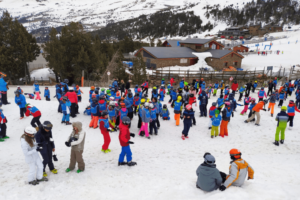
{"x":296,"y":109}
{"x":102,"y":128}
{"x":172,"y":81}
{"x":72,"y":96}
{"x":124,"y":135}
{"x":192,"y":100}
{"x":234,"y":86}
{"x":34,"y":112}
{"x":3,"y":120}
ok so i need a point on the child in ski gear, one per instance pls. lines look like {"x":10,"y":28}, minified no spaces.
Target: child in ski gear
{"x":174,"y":97}
{"x":45,"y":141}
{"x":162,"y":81}
{"x":136,"y":102}
{"x":216,"y":86}
{"x":181,"y":84}
{"x":65,"y":107}
{"x":275,"y":83}
{"x":76,"y":141}
{"x":78,"y":92}
{"x":112,"y":115}
{"x":247,"y":101}
{"x":32,"y":158}
{"x":165,"y":114}
{"x":261,"y":94}
{"x":272,"y":101}
{"x":145,"y":87}
{"x":36,"y":90}
{"x":283,"y":119}
{"x":154,"y":92}
{"x":220,"y":102}
{"x":291,"y":108}
{"x":31,"y":96}
{"x":188,"y":115}
{"x":216,"y":121}
{"x":158,"y":106}
{"x":146,"y":116}
{"x":104,"y":128}
{"x":3,"y":127}
{"x":192,"y":99}
{"x":277,"y":95}
{"x":281,"y":98}
{"x":254,"y":86}
{"x":226,"y":113}
{"x":72,"y":96}
{"x":169,"y":89}
{"x":47,"y":94}
{"x":253,"y":103}
{"x":153,"y":119}
{"x":124,"y":138}
{"x":234,"y":86}
{"x":209,"y":177}
{"x":212,"y":110}
{"x":87,"y":110}
{"x":255,"y":111}
{"x":177,"y":110}
{"x":226,"y":92}
{"x":123,"y":111}
{"x":203,"y":98}
{"x":32,"y":110}
{"x":58,"y":95}
{"x":248,"y":88}
{"x":270,"y":88}
{"x":21,"y":102}
{"x":91,"y":93}
{"x":241,"y":91}
{"x":19,"y":89}
{"x":171,"y":94}
{"x":238,"y":170}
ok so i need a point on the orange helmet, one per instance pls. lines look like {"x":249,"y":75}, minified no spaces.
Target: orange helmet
{"x":77,"y":86}
{"x":92,"y":87}
{"x":118,"y":94}
{"x":201,"y":79}
{"x":235,"y":154}
{"x":93,"y":95}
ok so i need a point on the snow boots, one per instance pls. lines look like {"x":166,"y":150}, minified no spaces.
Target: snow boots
{"x":130,"y":164}
{"x":276,"y":143}
{"x":281,"y":141}
{"x":35,"y":182}
{"x":122,"y":163}
{"x":42,"y":179}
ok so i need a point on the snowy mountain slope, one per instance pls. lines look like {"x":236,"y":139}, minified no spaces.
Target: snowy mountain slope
{"x":94,"y":14}
{"x":166,"y":165}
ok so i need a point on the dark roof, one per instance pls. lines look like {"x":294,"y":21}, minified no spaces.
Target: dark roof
{"x":195,"y":41}
{"x":218,"y":53}
{"x":174,"y":43}
{"x":170,"y":52}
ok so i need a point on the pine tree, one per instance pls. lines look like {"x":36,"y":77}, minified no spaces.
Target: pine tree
{"x":139,"y":70}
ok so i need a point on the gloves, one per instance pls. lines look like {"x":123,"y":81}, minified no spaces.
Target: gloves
{"x":222,"y":188}
{"x":132,"y":134}
{"x":109,"y":130}
{"x":55,"y":158}
{"x":68,"y":144}
{"x":264,"y":109}
{"x":19,"y":103}
{"x":129,"y":142}
{"x":39,"y":148}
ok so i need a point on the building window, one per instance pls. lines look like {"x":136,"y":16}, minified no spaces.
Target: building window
{"x":206,"y":45}
{"x":213,"y":46}
{"x":198,"y":47}
{"x":235,"y":63}
{"x":183,"y":60}
{"x":225,"y":64}
{"x":182,"y":45}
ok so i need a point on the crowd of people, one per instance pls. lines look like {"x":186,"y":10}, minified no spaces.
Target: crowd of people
{"x":114,"y":108}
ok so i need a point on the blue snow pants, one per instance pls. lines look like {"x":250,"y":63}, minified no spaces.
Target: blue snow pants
{"x":125,"y":152}
{"x":186,"y":126}
{"x":66,"y":118}
{"x":203,"y":110}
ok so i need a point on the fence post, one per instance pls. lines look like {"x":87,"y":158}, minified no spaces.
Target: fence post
{"x":42,"y":81}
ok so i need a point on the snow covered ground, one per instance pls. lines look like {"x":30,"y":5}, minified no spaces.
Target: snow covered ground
{"x":166,"y":165}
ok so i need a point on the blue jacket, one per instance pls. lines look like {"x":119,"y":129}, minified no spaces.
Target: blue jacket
{"x":106,"y":123}
{"x":216,"y":85}
{"x":128,"y":105}
{"x":220,"y":102}
{"x":3,"y":85}
{"x":65,"y":107}
{"x":165,"y":113}
{"x":251,"y":106}
{"x":112,"y":113}
{"x":95,"y":109}
{"x":115,"y":84}
{"x":153,"y":113}
{"x":20,"y":101}
{"x":188,"y":113}
{"x":281,"y":96}
{"x":36,"y":87}
{"x":174,"y":95}
{"x":47,"y":93}
{"x":196,"y":85}
{"x":241,"y":90}
{"x":123,"y":113}
{"x":275,"y":82}
{"x":146,"y":115}
{"x":255,"y":85}
{"x":154,"y":93}
{"x":181,"y":84}
{"x":216,"y":121}
{"x":203,"y":98}
{"x":177,"y":106}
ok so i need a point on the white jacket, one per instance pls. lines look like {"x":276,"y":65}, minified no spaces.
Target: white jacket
{"x":31,"y":155}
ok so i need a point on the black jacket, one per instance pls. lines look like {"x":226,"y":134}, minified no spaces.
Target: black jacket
{"x":249,"y":85}
{"x":43,"y":140}
{"x":122,"y":88}
{"x":127,"y":85}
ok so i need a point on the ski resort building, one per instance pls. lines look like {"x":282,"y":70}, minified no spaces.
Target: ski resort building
{"x":180,"y":53}
{"x":241,"y":48}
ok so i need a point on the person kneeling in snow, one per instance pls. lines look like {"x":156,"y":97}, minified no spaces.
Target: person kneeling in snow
{"x":76,"y":141}
{"x":32,"y":158}
{"x":124,"y":137}
{"x":237,"y":170}
{"x":209,"y":177}
{"x":32,"y":110}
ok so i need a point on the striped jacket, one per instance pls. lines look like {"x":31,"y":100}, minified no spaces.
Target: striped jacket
{"x":282,"y":119}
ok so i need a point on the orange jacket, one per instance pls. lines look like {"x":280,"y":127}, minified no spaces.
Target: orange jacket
{"x":259,"y":106}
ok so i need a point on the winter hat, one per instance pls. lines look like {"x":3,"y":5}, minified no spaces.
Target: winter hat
{"x":217,"y":111}
{"x":209,"y":159}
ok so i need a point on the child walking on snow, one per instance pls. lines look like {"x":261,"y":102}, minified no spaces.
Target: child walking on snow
{"x":153,"y":119}
{"x":47,"y":94}
{"x":188,"y":115}
{"x":247,"y":101}
{"x":36,"y":90}
{"x":216,"y":121}
{"x":145,"y":120}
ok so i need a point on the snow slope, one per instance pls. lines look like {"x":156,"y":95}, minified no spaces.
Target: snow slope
{"x":96,"y":13}
{"x":166,"y":166}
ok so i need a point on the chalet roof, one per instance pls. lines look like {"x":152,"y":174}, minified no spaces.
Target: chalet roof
{"x":170,"y":52}
{"x":220,"y":53}
{"x":196,"y":41}
{"x":174,"y":43}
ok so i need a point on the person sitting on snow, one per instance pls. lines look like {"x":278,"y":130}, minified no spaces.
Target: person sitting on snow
{"x":237,"y":171}
{"x":209,"y":177}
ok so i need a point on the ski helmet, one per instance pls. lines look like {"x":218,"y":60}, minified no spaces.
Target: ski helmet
{"x":129,"y":94}
{"x":17,"y":92}
{"x":143,"y":101}
{"x":227,"y":103}
{"x":146,"y":104}
{"x":126,"y":120}
{"x":217,"y":111}
{"x":29,"y":130}
{"x":136,"y":86}
{"x":214,"y":104}
{"x":179,"y":98}
{"x":47,"y":125}
{"x":122,"y":105}
{"x":111,"y":98}
{"x":103,"y":113}
{"x":209,"y":159}
{"x":151,"y":105}
{"x":283,"y":108}
{"x":291,"y":102}
{"x":112,"y":103}
{"x":253,"y":99}
{"x":164,"y":106}
{"x":266,"y":101}
{"x":102,"y":97}
{"x":235,"y":154}
{"x":139,"y":90}
{"x":94,"y":100}
{"x":66,"y":81}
